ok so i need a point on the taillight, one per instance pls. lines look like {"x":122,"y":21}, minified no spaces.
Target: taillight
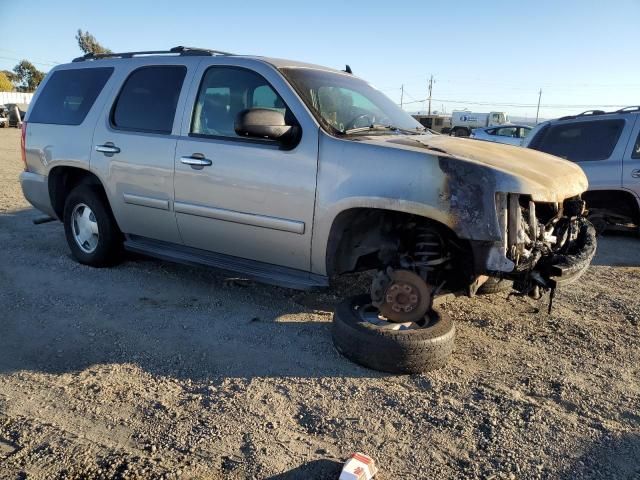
{"x":23,"y":147}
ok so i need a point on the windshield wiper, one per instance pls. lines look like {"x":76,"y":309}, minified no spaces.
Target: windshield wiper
{"x":378,"y":127}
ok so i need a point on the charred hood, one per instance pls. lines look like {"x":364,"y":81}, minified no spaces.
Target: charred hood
{"x":518,"y":170}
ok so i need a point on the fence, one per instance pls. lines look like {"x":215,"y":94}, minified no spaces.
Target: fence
{"x":15,"y":97}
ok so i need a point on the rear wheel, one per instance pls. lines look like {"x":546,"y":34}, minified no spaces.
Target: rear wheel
{"x":91,"y":231}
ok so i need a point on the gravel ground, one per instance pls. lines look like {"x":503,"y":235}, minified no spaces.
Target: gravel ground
{"x":155,"y":370}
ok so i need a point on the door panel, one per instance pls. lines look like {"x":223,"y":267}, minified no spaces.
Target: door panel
{"x":631,"y":161}
{"x":255,"y":200}
{"x":139,"y":172}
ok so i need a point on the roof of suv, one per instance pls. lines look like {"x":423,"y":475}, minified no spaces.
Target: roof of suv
{"x":597,"y":113}
{"x":193,"y":52}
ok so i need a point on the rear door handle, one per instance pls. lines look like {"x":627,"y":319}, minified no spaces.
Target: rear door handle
{"x":107,"y":148}
{"x":197,"y":160}
{"x":635,"y":173}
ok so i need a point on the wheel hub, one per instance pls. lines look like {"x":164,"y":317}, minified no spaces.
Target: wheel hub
{"x":402,"y":297}
{"x":405,"y":297}
{"x":85,"y":228}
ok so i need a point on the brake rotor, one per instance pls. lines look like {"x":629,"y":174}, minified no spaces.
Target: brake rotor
{"x":406,"y":298}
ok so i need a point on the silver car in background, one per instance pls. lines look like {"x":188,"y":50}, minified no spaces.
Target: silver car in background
{"x":509,"y":134}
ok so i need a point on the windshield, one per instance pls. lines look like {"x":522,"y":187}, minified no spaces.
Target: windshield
{"x":342,"y":103}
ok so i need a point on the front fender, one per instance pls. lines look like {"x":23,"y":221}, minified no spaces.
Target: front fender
{"x":326,"y":217}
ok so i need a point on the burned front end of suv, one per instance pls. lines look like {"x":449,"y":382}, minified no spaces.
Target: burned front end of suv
{"x":521,"y":213}
{"x":543,"y":244}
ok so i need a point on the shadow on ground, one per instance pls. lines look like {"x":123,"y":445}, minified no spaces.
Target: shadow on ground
{"x":314,"y":469}
{"x":617,"y":457}
{"x":59,"y":316}
{"x":618,"y":250}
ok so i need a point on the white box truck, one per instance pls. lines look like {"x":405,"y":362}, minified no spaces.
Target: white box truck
{"x":463,"y":121}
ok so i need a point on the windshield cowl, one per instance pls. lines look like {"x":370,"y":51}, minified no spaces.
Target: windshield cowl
{"x":384,"y":128}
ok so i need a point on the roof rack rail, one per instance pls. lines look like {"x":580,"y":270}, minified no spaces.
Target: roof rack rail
{"x":635,"y":108}
{"x":180,"y":50}
{"x":591,"y":112}
{"x":588,"y":113}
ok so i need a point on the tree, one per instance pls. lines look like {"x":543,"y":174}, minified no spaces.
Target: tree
{"x":28,"y":77}
{"x":10,"y":75}
{"x":5,"y":83}
{"x":89,"y":44}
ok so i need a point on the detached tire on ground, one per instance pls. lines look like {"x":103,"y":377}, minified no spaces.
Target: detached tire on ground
{"x":395,"y":351}
{"x":92,"y":233}
{"x":495,"y":285}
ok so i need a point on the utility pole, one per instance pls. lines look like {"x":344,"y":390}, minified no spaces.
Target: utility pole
{"x":401,"y":95}
{"x":430,"y":90}
{"x":538,"y":111}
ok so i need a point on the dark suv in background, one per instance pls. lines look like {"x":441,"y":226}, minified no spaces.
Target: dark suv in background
{"x":607,"y":147}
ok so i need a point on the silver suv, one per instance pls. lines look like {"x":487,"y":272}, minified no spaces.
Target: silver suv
{"x":293,"y":174}
{"x":607,"y":147}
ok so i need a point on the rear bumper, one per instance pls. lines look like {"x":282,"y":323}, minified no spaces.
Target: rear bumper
{"x":35,"y":189}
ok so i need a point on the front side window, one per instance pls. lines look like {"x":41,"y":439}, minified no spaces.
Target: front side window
{"x":582,"y":141}
{"x":227,"y":91}
{"x":148,"y":99}
{"x":69,"y":95}
{"x":341,"y":102}
{"x":636,"y":148}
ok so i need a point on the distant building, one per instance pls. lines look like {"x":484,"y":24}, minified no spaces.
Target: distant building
{"x":15,"y":97}
{"x":436,"y":122}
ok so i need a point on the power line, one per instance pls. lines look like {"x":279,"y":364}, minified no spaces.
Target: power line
{"x":520,"y":86}
{"x":527,"y":105}
{"x":35,"y":60}
{"x":32,"y":61}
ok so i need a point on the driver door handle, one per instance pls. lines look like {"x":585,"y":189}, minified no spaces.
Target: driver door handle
{"x":197,"y":160}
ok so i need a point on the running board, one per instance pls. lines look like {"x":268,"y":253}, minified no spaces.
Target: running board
{"x":263,"y":272}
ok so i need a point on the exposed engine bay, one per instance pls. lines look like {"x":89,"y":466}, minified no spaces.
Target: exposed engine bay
{"x":548,"y":243}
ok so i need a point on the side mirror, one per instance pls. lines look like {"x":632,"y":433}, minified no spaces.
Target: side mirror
{"x":263,"y":123}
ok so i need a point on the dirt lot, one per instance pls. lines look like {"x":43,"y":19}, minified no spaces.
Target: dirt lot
{"x":154,"y":370}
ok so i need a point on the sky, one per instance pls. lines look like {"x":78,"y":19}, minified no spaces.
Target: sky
{"x":483,"y":55}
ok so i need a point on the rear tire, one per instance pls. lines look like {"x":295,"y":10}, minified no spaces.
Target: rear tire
{"x":395,"y":351}
{"x":106,"y":249}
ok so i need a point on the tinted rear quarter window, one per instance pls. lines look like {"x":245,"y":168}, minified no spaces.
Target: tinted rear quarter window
{"x":581,"y":141}
{"x":148,"y":99}
{"x":69,"y":95}
{"x":636,"y":148}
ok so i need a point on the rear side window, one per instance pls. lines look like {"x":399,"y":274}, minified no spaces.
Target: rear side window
{"x":148,"y":99}
{"x":69,"y":95}
{"x":582,"y":141}
{"x":636,"y":148}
